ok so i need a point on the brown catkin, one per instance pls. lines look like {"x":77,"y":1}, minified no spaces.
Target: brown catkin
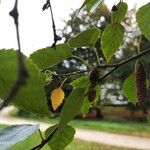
{"x":94,"y":77}
{"x":91,"y":95}
{"x":140,"y":77}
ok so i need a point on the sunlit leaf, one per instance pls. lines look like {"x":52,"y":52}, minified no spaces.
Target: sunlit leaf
{"x":80,"y":82}
{"x":129,"y":88}
{"x":98,"y":92}
{"x":143,"y":20}
{"x":49,"y":57}
{"x":90,"y":5}
{"x":85,"y":38}
{"x":120,"y":13}
{"x":111,"y":39}
{"x":85,"y":107}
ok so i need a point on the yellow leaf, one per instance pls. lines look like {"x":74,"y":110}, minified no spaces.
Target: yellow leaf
{"x":57,"y":97}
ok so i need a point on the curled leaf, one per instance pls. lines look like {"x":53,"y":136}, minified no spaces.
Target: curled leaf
{"x":57,"y":97}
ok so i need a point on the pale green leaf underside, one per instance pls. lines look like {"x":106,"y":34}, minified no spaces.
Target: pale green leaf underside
{"x":14,"y":134}
{"x":111,"y":39}
{"x":143,"y":20}
{"x":49,"y":57}
{"x":85,"y":38}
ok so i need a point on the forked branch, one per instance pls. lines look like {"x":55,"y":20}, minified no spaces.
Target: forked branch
{"x":114,"y":66}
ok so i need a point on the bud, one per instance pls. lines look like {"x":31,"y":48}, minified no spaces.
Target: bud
{"x":140,"y":77}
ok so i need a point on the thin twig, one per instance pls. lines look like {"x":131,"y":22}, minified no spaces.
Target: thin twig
{"x":53,"y":23}
{"x":139,"y":44}
{"x":114,"y":66}
{"x":46,"y":140}
{"x":56,"y":37}
{"x":97,"y":56}
{"x":74,"y":73}
{"x":101,"y":66}
{"x":63,"y":82}
{"x":40,"y":133}
{"x":118,"y":65}
{"x":22,"y":72}
{"x":82,"y":60}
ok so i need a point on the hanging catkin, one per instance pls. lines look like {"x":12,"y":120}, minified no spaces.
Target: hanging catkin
{"x":93,"y":77}
{"x":140,"y":76}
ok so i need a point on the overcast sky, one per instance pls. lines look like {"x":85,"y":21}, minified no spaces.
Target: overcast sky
{"x":35,"y":25}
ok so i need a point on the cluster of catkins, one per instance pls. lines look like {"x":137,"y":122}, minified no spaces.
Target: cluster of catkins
{"x":140,"y":77}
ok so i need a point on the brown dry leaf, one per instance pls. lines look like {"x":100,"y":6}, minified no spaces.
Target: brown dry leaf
{"x":57,"y":97}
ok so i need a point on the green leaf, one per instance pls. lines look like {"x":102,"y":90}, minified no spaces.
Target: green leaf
{"x":84,"y":4}
{"x":91,"y":5}
{"x":143,"y":20}
{"x":30,"y":97}
{"x":120,"y":13}
{"x":112,"y":38}
{"x":61,"y":138}
{"x":85,"y":107}
{"x":81,"y":82}
{"x":49,"y":57}
{"x":86,"y":104}
{"x":72,"y":106}
{"x":85,"y":38}
{"x":98,"y":91}
{"x":11,"y":135}
{"x":129,"y":88}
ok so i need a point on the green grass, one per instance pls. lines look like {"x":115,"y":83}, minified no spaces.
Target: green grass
{"x":82,"y":145}
{"x":2,"y":126}
{"x":76,"y":144}
{"x":114,"y":125}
